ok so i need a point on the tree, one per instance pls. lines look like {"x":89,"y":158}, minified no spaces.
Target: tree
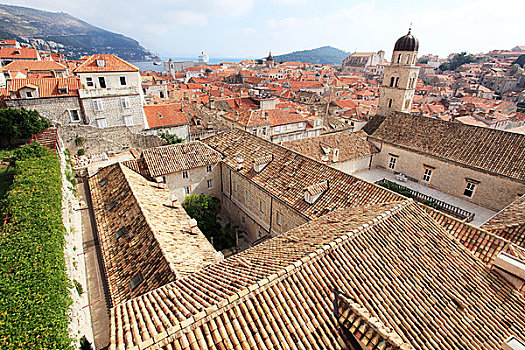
{"x":457,"y":61}
{"x":169,"y":138}
{"x":18,"y":124}
{"x":205,"y":210}
{"x":423,"y":60}
{"x":520,"y":61}
{"x":514,"y":69}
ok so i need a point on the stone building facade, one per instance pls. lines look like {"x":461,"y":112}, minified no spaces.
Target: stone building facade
{"x":481,"y":165}
{"x":111,"y":92}
{"x":399,"y":80}
{"x":255,"y":211}
{"x":484,"y":189}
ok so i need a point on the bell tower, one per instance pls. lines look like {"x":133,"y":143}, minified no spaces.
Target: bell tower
{"x":399,"y":79}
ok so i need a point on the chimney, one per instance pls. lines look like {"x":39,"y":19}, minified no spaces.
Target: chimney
{"x":335,"y":155}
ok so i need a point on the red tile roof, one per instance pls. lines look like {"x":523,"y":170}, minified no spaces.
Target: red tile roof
{"x":48,"y":87}
{"x":165,"y":115}
{"x":34,"y":66}
{"x":112,"y":64}
{"x":21,"y":53}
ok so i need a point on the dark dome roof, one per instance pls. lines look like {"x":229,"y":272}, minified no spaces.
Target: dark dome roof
{"x":407,"y":43}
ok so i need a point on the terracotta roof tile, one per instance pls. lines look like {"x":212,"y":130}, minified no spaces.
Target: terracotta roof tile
{"x":165,"y":115}
{"x":405,"y":284}
{"x":174,"y":158}
{"x":350,"y":145}
{"x":493,"y":151}
{"x":112,"y":63}
{"x":289,"y":173}
{"x":142,"y":229}
{"x":47,"y":87}
{"x":35,"y":66}
{"x":509,"y":223}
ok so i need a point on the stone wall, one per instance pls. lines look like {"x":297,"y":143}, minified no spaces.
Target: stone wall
{"x":492,"y":192}
{"x":241,"y":202}
{"x":114,"y":139}
{"x":55,"y":109}
{"x":197,"y":181}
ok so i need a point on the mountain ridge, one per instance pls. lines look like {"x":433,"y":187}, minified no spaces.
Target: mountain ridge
{"x":320,"y":55}
{"x":63,"y":33}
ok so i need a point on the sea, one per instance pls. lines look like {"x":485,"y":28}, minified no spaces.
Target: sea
{"x":148,"y":65}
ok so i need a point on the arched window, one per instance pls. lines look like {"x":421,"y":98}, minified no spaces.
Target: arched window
{"x":398,"y":58}
{"x":408,"y":59}
{"x":407,"y":103}
{"x":392,"y":81}
{"x":397,"y":82}
{"x":389,"y":103}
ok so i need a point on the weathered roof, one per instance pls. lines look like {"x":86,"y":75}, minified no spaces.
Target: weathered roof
{"x":493,"y":151}
{"x":509,"y":223}
{"x":158,"y":240}
{"x":112,"y":63}
{"x":406,"y":275}
{"x":289,"y":173}
{"x":350,"y":145}
{"x":169,"y":159}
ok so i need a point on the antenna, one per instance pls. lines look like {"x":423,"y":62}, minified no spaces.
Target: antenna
{"x":410,"y":28}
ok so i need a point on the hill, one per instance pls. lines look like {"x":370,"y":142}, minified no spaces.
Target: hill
{"x":322,"y":55}
{"x":60,"y":32}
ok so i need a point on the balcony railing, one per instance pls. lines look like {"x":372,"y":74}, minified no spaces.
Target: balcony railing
{"x":427,"y":200}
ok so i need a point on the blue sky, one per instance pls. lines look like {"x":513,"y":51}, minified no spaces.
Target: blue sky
{"x":250,"y":28}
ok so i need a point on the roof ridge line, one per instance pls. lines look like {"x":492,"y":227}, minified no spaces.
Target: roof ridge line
{"x":282,"y":273}
{"x":146,"y":218}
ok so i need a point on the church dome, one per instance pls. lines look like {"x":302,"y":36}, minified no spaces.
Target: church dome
{"x":407,"y":43}
{"x":270,"y":57}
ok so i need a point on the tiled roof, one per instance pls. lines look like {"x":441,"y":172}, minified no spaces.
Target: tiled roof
{"x":404,"y":275}
{"x":112,"y":63}
{"x":165,"y":115}
{"x":174,"y":158}
{"x":483,"y":244}
{"x":289,"y":173}
{"x":19,"y":53}
{"x":48,"y":87}
{"x":509,"y":223}
{"x":493,"y":151}
{"x":34,"y":66}
{"x":273,"y":117}
{"x":159,"y":239}
{"x":350,"y":145}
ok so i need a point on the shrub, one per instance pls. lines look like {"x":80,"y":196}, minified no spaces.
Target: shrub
{"x":20,"y":123}
{"x":33,"y":281}
{"x":81,"y":152}
{"x":205,"y":209}
{"x":169,"y":138}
